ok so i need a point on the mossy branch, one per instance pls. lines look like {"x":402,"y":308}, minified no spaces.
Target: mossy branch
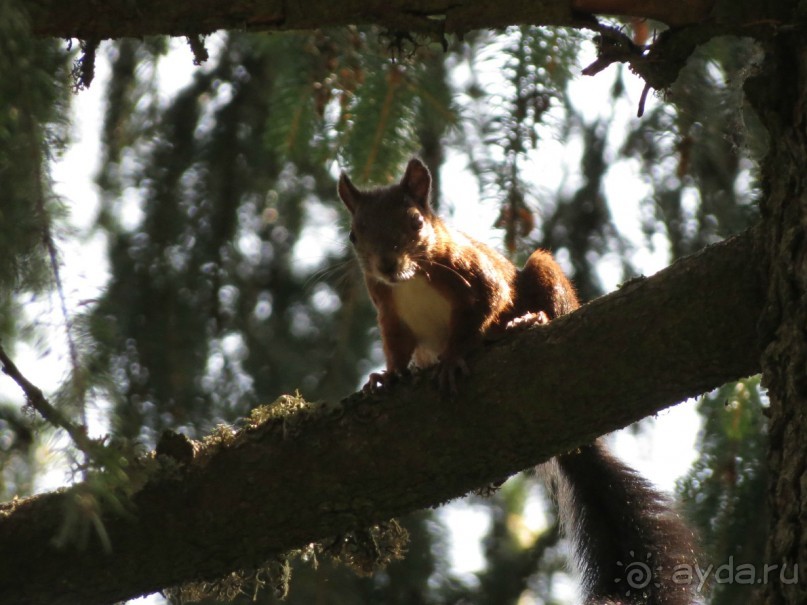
{"x":305,"y":472}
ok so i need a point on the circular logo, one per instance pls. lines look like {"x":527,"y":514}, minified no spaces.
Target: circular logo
{"x":637,"y":575}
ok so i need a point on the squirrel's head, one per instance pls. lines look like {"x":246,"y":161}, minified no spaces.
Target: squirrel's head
{"x":392,"y":227}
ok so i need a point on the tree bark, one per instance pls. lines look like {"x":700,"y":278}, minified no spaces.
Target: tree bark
{"x":122,"y":18}
{"x":321,"y":471}
{"x":779,"y":95}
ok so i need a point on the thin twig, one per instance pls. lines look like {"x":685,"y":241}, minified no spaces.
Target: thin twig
{"x":37,"y":400}
{"x":53,"y":255}
{"x":642,"y":100}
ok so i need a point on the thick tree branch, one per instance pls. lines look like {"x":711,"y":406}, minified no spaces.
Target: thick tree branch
{"x":691,"y":23}
{"x":119,"y":18}
{"x":320,"y":472}
{"x":122,"y":18}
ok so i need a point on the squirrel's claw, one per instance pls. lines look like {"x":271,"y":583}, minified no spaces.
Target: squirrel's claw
{"x":448,"y":373}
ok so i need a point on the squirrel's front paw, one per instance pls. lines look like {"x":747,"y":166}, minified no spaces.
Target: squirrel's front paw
{"x":378,"y":381}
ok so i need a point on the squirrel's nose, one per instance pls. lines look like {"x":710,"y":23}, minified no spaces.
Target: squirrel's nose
{"x":388,"y":265}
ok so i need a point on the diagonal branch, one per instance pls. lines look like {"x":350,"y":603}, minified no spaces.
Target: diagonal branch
{"x":311,"y":473}
{"x":36,"y":399}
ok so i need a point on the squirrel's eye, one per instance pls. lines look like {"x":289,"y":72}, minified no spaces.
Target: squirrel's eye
{"x":417,"y":222}
{"x":352,"y":237}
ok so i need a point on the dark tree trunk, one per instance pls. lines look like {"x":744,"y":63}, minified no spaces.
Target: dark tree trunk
{"x":780,"y":96}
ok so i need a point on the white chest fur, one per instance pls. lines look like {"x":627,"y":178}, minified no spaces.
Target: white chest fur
{"x":427,"y":313}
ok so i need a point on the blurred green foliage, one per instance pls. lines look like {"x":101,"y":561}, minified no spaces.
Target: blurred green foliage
{"x":230,"y":277}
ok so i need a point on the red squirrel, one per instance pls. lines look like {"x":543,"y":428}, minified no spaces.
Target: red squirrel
{"x":438,"y":293}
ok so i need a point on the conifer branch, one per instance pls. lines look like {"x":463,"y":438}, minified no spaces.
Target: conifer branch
{"x":393,"y":80}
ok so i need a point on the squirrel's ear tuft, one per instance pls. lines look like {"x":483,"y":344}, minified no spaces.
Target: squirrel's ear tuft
{"x":417,"y":181}
{"x":348,"y":192}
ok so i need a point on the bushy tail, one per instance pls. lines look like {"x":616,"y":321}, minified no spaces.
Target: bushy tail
{"x":627,"y":539}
